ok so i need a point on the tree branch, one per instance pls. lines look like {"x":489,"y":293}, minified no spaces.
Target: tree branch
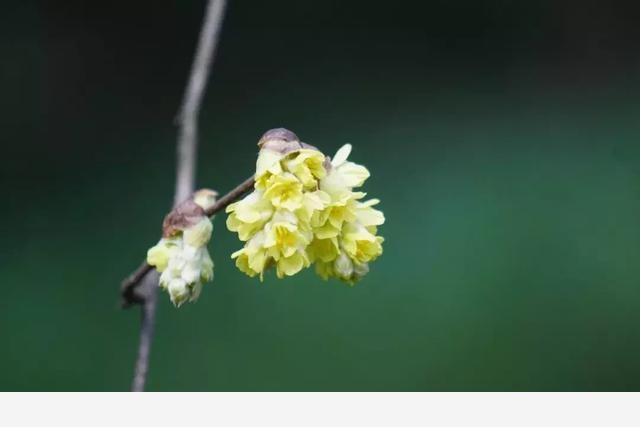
{"x":231,"y":196}
{"x":188,"y":114}
{"x":128,"y":289}
{"x":185,"y":170}
{"x":147,"y":326}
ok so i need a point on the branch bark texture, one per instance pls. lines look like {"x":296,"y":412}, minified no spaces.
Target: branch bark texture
{"x":192,"y":100}
{"x":185,"y":173}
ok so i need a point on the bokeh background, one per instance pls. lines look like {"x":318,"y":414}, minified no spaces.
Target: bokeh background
{"x":503,"y":139}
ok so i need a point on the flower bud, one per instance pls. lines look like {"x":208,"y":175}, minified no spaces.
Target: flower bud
{"x":198,"y":235}
{"x":178,"y":291}
{"x":343,"y":267}
{"x":182,"y":256}
{"x":205,"y":198}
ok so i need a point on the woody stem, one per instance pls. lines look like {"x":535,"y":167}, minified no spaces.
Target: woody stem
{"x":185,"y":176}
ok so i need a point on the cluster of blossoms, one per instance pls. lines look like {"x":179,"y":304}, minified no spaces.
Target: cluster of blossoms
{"x":181,"y":256}
{"x":304,"y":210}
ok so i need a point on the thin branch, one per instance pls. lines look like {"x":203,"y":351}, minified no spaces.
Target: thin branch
{"x":231,"y":196}
{"x":188,"y":115}
{"x":185,"y":171}
{"x":147,"y":326}
{"x":129,"y":285}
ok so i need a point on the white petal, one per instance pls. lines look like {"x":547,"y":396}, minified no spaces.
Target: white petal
{"x":371,"y":202}
{"x":191,"y":272}
{"x":343,"y":266}
{"x":341,"y":155}
{"x":353,"y":175}
{"x":178,"y":291}
{"x":198,"y":234}
{"x":360,"y":270}
{"x":370,"y":216}
{"x":268,"y":161}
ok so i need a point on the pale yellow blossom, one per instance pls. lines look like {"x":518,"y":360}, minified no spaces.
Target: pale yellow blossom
{"x":182,"y":257}
{"x":249,"y":215}
{"x":304,"y":210}
{"x":284,"y":191}
{"x":345,"y":229}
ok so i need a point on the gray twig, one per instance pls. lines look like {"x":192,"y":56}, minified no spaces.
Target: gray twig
{"x":147,"y":325}
{"x":185,"y":171}
{"x":188,"y":114}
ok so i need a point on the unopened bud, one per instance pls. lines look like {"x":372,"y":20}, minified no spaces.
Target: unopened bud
{"x":205,"y":198}
{"x":280,"y":140}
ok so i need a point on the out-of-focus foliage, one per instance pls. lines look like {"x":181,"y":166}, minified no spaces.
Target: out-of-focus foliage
{"x":503,"y":140}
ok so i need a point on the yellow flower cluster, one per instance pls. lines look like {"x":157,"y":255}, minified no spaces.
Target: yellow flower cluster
{"x":181,"y":255}
{"x":304,"y":210}
{"x":345,"y":230}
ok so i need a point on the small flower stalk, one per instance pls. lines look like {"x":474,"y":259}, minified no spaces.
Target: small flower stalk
{"x":181,"y":256}
{"x":304,"y":210}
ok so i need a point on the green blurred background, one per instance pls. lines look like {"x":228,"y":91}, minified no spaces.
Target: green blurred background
{"x":503,"y":138}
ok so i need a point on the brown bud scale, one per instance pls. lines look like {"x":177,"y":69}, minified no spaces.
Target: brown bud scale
{"x":183,"y":216}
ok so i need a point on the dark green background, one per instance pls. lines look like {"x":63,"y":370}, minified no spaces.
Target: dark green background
{"x":503,"y":138}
